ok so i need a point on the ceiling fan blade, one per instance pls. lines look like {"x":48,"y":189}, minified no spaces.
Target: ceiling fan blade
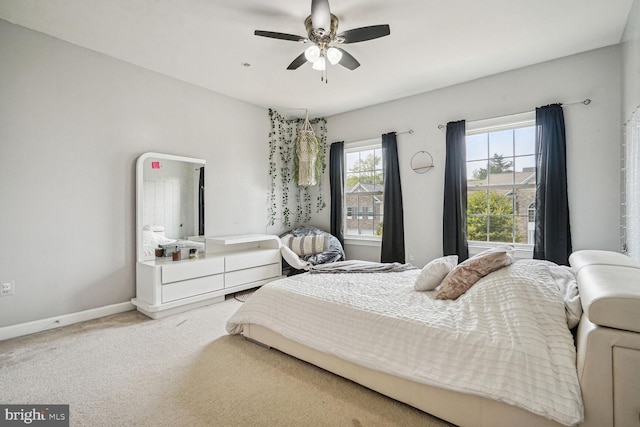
{"x":297,"y":62}
{"x":347,"y":60}
{"x":363,"y":34}
{"x":321,"y":15}
{"x":279,"y":36}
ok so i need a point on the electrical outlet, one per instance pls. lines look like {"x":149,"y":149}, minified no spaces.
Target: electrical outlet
{"x":411,"y":257}
{"x":7,"y":289}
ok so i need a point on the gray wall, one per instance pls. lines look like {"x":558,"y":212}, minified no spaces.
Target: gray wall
{"x":72,"y":123}
{"x":593,"y":145}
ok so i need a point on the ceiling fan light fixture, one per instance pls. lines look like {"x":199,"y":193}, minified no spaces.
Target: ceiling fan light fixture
{"x":334,"y":55}
{"x":319,"y":64}
{"x":312,"y":53}
{"x":322,"y":32}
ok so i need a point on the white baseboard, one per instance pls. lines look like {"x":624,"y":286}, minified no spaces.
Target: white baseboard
{"x":27,"y":328}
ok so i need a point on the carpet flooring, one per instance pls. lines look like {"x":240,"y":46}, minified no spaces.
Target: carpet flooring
{"x":184,"y":370}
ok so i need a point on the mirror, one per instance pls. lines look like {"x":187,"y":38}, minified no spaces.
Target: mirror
{"x":169,"y":202}
{"x":421,"y":162}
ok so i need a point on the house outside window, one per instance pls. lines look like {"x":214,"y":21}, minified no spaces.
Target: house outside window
{"x":364,"y":190}
{"x":501,"y":180}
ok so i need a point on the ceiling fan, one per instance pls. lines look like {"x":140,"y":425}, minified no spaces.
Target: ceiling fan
{"x":322,"y":27}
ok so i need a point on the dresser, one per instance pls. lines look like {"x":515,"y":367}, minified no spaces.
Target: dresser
{"x":230,"y":264}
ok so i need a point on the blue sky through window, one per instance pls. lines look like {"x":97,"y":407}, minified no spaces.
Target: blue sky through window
{"x":482,"y":146}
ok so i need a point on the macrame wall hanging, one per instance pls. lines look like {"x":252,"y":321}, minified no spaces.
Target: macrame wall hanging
{"x":307,"y":148}
{"x":296,"y":168}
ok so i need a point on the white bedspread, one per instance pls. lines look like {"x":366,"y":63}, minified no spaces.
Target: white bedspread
{"x":506,"y":338}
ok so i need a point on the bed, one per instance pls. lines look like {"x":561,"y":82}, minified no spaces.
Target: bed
{"x":502,"y":354}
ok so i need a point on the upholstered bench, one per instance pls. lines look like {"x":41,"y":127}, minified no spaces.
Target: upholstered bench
{"x":608,"y":338}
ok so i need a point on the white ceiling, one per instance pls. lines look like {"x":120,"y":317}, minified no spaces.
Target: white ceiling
{"x":433,"y":43}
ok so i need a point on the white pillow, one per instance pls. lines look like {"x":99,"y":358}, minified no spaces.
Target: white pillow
{"x":294,"y":260}
{"x":434,"y":272}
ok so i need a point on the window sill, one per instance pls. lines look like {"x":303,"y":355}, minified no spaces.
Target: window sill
{"x":521,"y":252}
{"x":363,"y":241}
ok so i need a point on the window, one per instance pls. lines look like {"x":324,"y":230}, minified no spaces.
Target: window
{"x":532,"y":212}
{"x":501,"y":178}
{"x":531,"y":223}
{"x":364,"y":189}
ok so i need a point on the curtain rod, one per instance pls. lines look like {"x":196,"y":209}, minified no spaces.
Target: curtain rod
{"x":410,"y":132}
{"x":564,"y":104}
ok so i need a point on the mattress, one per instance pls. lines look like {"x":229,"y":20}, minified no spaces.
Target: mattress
{"x":505,"y":339}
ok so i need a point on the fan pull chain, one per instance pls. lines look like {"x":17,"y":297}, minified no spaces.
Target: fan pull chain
{"x":323,"y":75}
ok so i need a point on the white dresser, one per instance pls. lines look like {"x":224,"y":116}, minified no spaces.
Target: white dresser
{"x":230,"y":264}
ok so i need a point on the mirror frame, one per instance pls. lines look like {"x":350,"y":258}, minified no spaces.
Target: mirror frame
{"x":140,"y":256}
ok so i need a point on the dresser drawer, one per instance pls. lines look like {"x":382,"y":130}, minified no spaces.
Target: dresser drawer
{"x":241,"y":277}
{"x":247,"y":259}
{"x":191,"y":269}
{"x":189,"y":288}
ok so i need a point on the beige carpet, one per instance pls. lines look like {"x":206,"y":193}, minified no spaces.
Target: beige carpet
{"x":128,"y":370}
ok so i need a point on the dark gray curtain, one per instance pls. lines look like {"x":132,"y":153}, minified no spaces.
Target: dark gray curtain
{"x":393,"y":219}
{"x":201,"y":203}
{"x":552,"y":234}
{"x":454,"y":220}
{"x":336,"y":183}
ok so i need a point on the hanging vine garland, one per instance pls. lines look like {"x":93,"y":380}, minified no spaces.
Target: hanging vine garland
{"x":284,"y":169}
{"x":272,"y":205}
{"x":286,"y":173}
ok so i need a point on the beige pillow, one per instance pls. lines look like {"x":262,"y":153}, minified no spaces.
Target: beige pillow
{"x":461,"y":278}
{"x":305,"y":245}
{"x":433,"y":273}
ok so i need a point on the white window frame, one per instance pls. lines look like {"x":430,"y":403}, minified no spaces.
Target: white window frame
{"x":512,"y":121}
{"x":352,"y":147}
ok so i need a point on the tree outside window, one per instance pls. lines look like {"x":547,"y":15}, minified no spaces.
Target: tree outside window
{"x":501,"y":167}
